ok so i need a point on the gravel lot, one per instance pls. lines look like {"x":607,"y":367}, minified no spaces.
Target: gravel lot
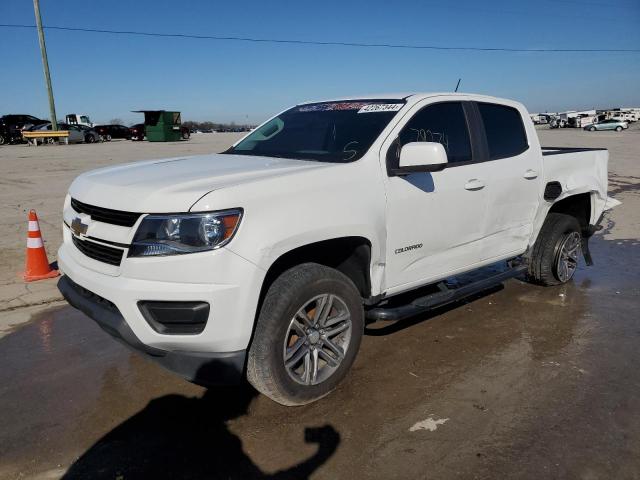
{"x":523,"y":382}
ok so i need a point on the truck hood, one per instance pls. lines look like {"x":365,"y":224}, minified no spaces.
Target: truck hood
{"x":175,"y":184}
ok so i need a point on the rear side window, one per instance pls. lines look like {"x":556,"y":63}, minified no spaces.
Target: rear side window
{"x":443,"y":123}
{"x":503,"y":125}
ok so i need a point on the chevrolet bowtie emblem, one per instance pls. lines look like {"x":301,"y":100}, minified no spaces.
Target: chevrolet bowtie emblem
{"x":78,"y":227}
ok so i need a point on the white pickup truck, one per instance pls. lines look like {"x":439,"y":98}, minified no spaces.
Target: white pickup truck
{"x":263,"y":261}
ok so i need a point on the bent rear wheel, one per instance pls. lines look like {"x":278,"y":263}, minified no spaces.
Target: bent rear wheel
{"x":555,"y":254}
{"x":567,"y":256}
{"x":307,"y":335}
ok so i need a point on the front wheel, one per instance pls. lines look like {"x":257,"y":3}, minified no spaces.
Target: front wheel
{"x":618,"y":128}
{"x":89,"y":139}
{"x":592,"y":129}
{"x":307,"y":335}
{"x":555,"y":254}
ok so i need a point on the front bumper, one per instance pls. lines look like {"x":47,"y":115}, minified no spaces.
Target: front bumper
{"x":198,"y":367}
{"x":227,"y":282}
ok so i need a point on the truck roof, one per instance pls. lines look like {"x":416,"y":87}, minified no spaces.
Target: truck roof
{"x":409,"y":96}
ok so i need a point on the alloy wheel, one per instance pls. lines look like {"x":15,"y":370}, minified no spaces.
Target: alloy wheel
{"x":317,"y":339}
{"x":568,"y":253}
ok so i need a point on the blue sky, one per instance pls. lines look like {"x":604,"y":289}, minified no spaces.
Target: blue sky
{"x":107,"y":76}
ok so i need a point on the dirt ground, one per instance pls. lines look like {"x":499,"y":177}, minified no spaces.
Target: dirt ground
{"x":521,"y":382}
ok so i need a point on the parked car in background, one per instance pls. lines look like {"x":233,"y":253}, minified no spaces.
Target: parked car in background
{"x":5,"y":134}
{"x":90,"y":133}
{"x":557,"y":122}
{"x":77,"y":134}
{"x":137,"y":132}
{"x":78,"y":119}
{"x":12,"y":125}
{"x":108,"y":132}
{"x":610,"y":124}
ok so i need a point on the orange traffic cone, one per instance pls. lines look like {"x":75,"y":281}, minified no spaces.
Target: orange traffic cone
{"x":36,"y":264}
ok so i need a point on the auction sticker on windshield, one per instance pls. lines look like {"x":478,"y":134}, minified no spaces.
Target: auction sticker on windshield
{"x":329,"y":107}
{"x":381,"y":107}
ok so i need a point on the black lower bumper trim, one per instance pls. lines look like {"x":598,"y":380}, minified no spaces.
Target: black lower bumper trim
{"x":202,"y":368}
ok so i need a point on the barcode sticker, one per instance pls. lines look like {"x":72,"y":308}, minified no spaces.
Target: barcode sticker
{"x":381,"y":107}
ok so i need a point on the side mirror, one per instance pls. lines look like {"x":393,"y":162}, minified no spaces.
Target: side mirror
{"x":422,"y":157}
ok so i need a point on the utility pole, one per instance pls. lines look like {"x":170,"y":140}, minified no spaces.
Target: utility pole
{"x":45,"y":65}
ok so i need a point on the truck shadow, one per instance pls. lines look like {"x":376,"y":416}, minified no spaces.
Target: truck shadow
{"x":176,"y":436}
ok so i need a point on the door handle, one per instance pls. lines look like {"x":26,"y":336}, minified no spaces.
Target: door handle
{"x":474,"y":184}
{"x":530,"y":174}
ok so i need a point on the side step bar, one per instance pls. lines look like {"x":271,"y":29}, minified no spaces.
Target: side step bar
{"x":444,"y":296}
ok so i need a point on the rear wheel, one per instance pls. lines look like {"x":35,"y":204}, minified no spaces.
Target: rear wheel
{"x":89,"y":139}
{"x":618,"y":128}
{"x":2,"y":139}
{"x":592,"y":129}
{"x":307,"y":335}
{"x":555,"y":255}
{"x":186,"y":135}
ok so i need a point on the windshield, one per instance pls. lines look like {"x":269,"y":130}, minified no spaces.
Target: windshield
{"x":328,"y":132}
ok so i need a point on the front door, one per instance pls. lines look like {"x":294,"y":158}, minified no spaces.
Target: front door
{"x":435,"y":221}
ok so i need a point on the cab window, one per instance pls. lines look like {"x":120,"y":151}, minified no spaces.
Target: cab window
{"x":443,"y":123}
{"x":505,"y":132}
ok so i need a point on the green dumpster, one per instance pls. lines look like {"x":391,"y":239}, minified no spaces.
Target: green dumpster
{"x":162,"y":125}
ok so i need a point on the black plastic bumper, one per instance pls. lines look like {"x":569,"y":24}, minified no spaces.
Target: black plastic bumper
{"x":201,"y":368}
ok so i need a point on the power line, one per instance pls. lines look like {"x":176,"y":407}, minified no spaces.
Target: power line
{"x":329,"y":43}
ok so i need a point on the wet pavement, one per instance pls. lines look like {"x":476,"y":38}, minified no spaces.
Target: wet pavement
{"x":521,"y":382}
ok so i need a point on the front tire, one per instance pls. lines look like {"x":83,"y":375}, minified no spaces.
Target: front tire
{"x":592,"y":129}
{"x":307,"y":335}
{"x":555,"y":254}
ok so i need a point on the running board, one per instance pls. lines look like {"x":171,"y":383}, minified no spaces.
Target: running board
{"x":442,"y":297}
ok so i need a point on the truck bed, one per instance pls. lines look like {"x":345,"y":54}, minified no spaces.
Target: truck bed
{"x":577,"y":170}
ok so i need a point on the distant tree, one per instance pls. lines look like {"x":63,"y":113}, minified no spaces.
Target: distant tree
{"x":115,"y":121}
{"x":224,"y":127}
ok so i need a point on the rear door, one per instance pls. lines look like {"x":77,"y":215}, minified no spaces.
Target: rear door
{"x":514,"y":169}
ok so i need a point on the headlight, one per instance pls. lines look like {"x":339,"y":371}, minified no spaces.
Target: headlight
{"x":184,"y":233}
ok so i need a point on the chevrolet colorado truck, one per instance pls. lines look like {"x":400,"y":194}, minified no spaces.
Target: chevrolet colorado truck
{"x":263,"y":262}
